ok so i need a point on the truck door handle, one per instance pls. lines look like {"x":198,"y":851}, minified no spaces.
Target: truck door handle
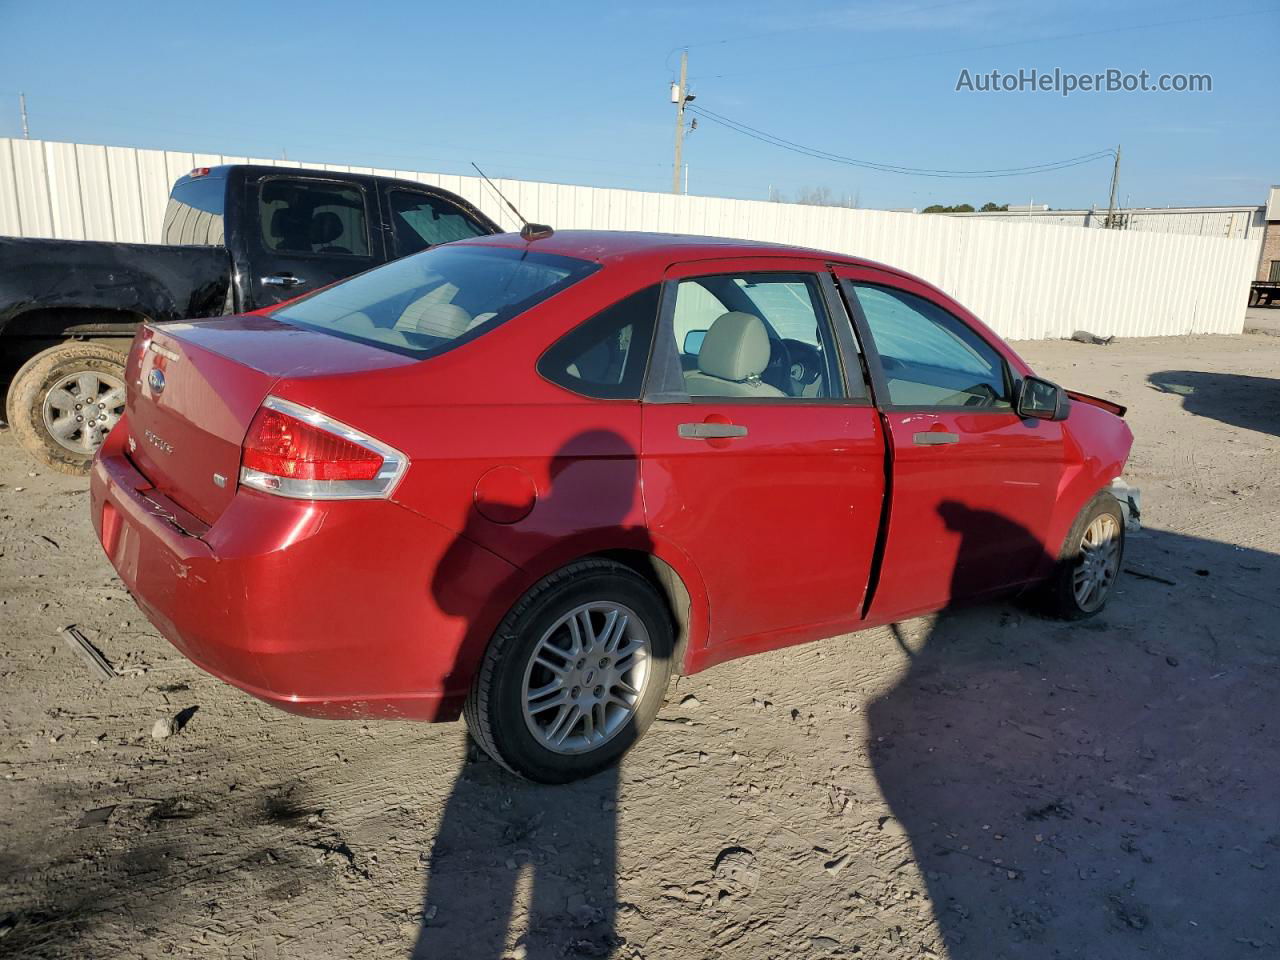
{"x":710,"y":431}
{"x":934,"y":438}
{"x":283,"y":280}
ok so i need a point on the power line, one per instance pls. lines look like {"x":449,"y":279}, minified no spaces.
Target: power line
{"x":1146,"y":25}
{"x":819,"y":154}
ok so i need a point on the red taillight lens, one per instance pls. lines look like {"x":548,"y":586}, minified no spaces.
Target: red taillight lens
{"x":285,"y":446}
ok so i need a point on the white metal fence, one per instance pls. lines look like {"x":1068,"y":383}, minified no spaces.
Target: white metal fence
{"x":1027,"y":281}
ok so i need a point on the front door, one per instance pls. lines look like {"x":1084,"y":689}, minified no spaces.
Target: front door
{"x":973,"y":483}
{"x":763,"y":460}
{"x":306,"y":233}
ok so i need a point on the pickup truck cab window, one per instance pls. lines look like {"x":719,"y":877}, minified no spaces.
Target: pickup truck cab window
{"x":929,"y":357}
{"x":193,"y":216}
{"x":755,"y":336}
{"x":313,"y":216}
{"x":420,"y":220}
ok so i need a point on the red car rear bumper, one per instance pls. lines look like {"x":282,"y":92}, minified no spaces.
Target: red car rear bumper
{"x":327,"y":609}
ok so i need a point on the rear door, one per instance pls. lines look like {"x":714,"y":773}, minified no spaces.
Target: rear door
{"x":305,"y":232}
{"x":973,"y":484}
{"x":771,"y":480}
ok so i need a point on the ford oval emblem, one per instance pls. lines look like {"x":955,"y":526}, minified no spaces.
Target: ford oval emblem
{"x":155,"y":380}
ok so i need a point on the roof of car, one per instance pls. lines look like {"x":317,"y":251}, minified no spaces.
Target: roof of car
{"x":604,"y":246}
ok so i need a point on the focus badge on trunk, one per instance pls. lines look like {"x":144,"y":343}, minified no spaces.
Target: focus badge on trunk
{"x":155,"y":380}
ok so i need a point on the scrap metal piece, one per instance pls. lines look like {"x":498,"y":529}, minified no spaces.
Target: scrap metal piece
{"x":87,"y":652}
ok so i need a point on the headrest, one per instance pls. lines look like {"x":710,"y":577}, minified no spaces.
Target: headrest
{"x":736,"y":347}
{"x":284,"y":221}
{"x":446,"y":320}
{"x":326,"y":227}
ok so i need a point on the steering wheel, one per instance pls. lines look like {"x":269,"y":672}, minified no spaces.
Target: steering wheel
{"x":806,"y":366}
{"x":777,"y":373}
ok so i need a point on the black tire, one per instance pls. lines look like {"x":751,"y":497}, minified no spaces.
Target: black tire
{"x":1060,"y":597}
{"x":494,"y":711}
{"x":30,"y":388}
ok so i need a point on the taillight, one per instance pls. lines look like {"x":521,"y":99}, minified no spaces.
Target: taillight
{"x":294,"y":451}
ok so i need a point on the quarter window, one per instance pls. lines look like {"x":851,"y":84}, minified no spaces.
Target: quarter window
{"x":929,"y":357}
{"x":606,"y":356}
{"x":313,"y":216}
{"x":420,"y":220}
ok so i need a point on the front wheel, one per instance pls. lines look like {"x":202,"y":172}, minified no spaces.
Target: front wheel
{"x":1090,"y":562}
{"x":574,"y":675}
{"x":64,"y":401}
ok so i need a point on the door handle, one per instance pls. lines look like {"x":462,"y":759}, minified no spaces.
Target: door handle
{"x":934,"y":438}
{"x":283,"y":280}
{"x":710,"y":431}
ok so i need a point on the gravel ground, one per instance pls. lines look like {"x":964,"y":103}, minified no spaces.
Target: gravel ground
{"x":980,"y":785}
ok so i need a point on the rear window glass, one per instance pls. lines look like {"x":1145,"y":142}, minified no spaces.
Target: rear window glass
{"x":421,"y":304}
{"x":194,"y":213}
{"x":313,"y":216}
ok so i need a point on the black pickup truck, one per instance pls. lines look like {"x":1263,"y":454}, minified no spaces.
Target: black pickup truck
{"x":235,"y":238}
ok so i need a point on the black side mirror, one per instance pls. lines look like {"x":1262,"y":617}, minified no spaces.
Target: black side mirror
{"x":1041,"y":400}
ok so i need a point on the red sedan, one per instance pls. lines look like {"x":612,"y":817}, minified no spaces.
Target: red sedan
{"x":530,"y":480}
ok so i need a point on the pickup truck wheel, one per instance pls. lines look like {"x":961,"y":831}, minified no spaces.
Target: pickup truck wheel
{"x":1090,"y":561}
{"x":64,"y":401}
{"x":574,"y":675}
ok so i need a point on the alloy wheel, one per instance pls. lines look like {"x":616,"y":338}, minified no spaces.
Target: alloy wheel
{"x":1098,"y":564}
{"x":586,"y":677}
{"x":81,"y":408}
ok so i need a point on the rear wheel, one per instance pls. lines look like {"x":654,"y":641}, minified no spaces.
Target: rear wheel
{"x":574,"y":674}
{"x":1090,"y":561}
{"x":64,"y":401}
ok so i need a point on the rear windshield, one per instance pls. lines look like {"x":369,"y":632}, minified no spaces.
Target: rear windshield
{"x":421,"y":304}
{"x":194,"y":213}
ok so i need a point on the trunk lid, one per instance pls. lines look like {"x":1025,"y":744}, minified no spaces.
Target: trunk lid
{"x":194,"y":388}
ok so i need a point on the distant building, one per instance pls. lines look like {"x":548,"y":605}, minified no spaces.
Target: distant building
{"x":1269,"y":262}
{"x":1238,"y":222}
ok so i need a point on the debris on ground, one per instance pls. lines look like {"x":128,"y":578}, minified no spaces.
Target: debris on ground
{"x":99,"y":665}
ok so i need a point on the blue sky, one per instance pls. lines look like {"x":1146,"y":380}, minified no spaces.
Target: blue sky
{"x":578,"y":92}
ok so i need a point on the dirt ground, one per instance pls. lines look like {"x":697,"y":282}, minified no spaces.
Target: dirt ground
{"x":986,"y":784}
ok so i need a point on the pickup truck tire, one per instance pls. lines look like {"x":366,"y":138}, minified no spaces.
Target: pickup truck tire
{"x":64,"y":401}
{"x":574,"y":674}
{"x":1090,"y":561}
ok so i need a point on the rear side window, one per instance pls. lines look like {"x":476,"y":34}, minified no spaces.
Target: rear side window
{"x":419,"y":221}
{"x":313,"y":216}
{"x":421,"y":304}
{"x":194,"y":213}
{"x":606,"y":356}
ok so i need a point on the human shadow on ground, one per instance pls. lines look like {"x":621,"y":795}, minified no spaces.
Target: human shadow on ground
{"x":1234,"y":398}
{"x":519,"y":866}
{"x":1096,"y":789}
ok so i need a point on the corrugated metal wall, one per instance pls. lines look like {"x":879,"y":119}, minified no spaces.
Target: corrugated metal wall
{"x":1027,"y":281}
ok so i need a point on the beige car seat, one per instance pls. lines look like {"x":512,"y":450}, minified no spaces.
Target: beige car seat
{"x":734,"y":354}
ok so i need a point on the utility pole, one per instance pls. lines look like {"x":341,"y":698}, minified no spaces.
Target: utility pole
{"x":22,"y":105}
{"x":1115,"y":182}
{"x":680,"y":96}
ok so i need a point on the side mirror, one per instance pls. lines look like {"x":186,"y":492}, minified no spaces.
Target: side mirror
{"x":693,"y":342}
{"x":1041,"y":400}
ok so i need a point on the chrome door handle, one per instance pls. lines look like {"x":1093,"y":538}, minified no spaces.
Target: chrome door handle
{"x":282,"y":281}
{"x":934,"y":438}
{"x":710,"y":431}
